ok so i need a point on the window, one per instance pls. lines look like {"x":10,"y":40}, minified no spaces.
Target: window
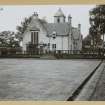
{"x":34,"y":37}
{"x":31,"y":37}
{"x":71,"y":46}
{"x":48,"y":44}
{"x":54,"y":35}
{"x":58,"y":20}
{"x":54,"y":46}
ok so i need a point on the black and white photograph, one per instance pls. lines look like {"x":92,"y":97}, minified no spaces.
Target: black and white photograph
{"x":52,"y":52}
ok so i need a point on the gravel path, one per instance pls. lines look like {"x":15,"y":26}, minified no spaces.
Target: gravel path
{"x":99,"y":93}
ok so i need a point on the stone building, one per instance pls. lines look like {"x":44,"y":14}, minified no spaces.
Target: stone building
{"x":59,"y":36}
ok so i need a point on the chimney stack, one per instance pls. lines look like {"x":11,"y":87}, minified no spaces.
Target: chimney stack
{"x":69,"y":18}
{"x":35,"y":15}
{"x":79,"y":27}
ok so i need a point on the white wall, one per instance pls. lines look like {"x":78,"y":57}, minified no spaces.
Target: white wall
{"x":61,"y":43}
{"x":61,"y":19}
{"x":26,"y":39}
{"x":42,"y":34}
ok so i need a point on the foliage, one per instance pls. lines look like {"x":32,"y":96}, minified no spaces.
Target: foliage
{"x":87,"y":40}
{"x":21,"y":29}
{"x":97,"y":22}
{"x":8,"y":39}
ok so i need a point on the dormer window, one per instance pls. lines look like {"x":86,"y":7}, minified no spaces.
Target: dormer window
{"x":54,"y":35}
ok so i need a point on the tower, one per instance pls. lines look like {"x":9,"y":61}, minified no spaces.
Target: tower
{"x":59,"y":16}
{"x":70,"y":38}
{"x":69,"y":18}
{"x":80,"y":37}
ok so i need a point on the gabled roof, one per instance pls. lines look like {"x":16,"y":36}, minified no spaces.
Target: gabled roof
{"x":61,"y":29}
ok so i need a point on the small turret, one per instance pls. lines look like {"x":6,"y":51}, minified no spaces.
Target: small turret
{"x":69,"y":18}
{"x":59,"y":16}
{"x":79,"y":27}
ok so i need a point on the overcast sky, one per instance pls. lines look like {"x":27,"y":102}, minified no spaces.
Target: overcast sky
{"x":11,"y":16}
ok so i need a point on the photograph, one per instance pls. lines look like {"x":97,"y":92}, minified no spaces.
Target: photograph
{"x":52,"y":52}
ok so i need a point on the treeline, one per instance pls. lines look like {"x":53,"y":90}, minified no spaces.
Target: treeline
{"x":9,"y":39}
{"x":12,"y":39}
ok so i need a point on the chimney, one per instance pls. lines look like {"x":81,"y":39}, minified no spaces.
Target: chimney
{"x":79,"y":27}
{"x":35,"y":15}
{"x":69,"y":18}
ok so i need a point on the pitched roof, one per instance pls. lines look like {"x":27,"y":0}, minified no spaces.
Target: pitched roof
{"x":59,"y":28}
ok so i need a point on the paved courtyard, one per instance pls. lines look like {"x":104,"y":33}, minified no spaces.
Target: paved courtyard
{"x":30,"y":79}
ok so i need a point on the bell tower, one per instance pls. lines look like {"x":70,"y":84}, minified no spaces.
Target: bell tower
{"x":59,"y":16}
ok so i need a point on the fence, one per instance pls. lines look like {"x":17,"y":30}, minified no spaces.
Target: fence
{"x":39,"y":52}
{"x":17,"y":52}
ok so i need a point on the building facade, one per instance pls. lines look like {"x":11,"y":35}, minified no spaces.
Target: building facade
{"x":60,"y":36}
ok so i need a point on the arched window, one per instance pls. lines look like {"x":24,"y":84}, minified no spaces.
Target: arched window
{"x":58,"y":20}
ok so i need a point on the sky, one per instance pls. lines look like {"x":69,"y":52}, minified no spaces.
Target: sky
{"x":12,"y":16}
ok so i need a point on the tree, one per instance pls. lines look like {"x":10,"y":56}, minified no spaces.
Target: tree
{"x":8,"y":39}
{"x":22,"y":27}
{"x":97,"y":22}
